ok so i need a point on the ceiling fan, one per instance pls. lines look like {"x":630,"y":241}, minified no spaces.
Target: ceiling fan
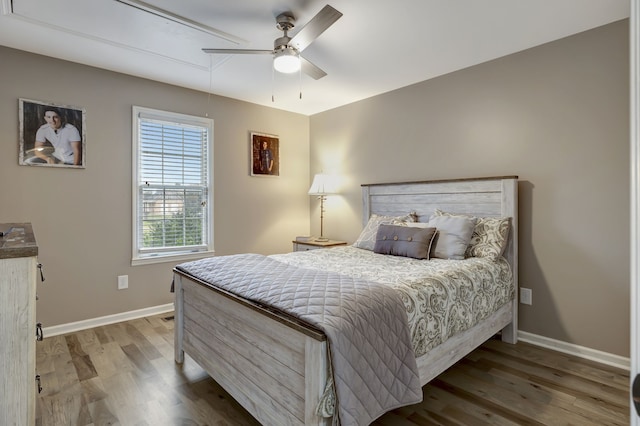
{"x":286,"y":50}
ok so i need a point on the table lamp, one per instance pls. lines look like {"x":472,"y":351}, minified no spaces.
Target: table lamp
{"x":322,"y":186}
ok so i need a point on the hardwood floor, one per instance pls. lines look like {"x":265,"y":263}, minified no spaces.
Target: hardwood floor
{"x":124,"y":374}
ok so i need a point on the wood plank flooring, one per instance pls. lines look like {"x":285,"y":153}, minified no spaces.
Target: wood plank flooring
{"x":124,"y":374}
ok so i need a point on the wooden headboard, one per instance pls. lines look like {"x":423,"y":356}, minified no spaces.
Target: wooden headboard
{"x":485,"y":197}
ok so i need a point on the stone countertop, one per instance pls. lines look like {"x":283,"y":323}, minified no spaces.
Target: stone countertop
{"x":17,"y":240}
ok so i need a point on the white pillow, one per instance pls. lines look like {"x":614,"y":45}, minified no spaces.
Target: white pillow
{"x":367,"y":238}
{"x":454,"y":235}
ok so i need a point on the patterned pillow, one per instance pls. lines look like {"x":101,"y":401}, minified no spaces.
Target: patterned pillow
{"x":367,"y":238}
{"x":489,"y":237}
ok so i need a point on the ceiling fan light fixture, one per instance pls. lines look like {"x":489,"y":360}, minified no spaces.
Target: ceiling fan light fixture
{"x":286,"y":60}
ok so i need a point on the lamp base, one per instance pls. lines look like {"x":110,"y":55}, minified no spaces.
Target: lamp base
{"x":321,"y":239}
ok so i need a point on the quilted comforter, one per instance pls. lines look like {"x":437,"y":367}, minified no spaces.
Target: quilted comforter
{"x":372,"y":358}
{"x":441,"y":297}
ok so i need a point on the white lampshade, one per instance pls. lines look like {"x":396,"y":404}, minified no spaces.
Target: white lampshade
{"x":322,"y":185}
{"x":286,"y":61}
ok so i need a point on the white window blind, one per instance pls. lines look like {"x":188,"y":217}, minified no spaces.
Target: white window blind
{"x":172,"y":195}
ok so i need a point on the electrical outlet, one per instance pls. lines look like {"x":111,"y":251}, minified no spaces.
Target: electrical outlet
{"x":526,"y":296}
{"x":123,"y":282}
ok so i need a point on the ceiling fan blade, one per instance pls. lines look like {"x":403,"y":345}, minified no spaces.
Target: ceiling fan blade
{"x":311,"y":70}
{"x":241,"y":51}
{"x":316,"y":26}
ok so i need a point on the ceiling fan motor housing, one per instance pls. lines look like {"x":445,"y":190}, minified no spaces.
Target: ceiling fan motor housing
{"x":282,"y":43}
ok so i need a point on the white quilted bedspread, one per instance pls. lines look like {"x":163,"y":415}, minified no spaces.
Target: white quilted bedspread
{"x":371,"y":352}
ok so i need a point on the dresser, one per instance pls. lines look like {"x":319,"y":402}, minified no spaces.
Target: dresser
{"x":18,"y":330}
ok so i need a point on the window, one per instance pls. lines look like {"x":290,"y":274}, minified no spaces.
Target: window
{"x":172,"y":196}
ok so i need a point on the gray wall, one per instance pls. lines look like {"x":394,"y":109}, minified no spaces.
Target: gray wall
{"x":82,"y":218}
{"x":557,"y":116}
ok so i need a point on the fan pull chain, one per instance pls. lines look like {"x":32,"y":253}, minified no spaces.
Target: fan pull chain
{"x":300,"y":79}
{"x":273,"y":82}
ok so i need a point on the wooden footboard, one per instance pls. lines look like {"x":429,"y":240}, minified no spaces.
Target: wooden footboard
{"x":274,"y":371}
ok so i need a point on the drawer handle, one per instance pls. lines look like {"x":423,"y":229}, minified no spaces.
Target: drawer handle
{"x":41,"y":273}
{"x":38,"y":382}
{"x":39,"y":333}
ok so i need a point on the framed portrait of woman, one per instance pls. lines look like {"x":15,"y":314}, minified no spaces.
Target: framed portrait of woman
{"x":51,"y":135}
{"x":265,"y":155}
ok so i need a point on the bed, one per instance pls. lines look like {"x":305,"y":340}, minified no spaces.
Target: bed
{"x":276,"y":365}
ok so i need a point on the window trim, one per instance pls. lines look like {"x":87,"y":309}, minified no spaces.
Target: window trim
{"x":173,"y":255}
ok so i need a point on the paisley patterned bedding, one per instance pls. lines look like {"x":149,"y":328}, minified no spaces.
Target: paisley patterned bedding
{"x":442,"y":297}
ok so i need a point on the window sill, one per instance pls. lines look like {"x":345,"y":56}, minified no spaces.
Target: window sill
{"x":173,"y":258}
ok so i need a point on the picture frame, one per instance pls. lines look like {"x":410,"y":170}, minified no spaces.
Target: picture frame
{"x":51,"y":135}
{"x":264,"y":154}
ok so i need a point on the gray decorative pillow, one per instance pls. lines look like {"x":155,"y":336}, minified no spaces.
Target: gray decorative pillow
{"x":367,"y":238}
{"x":490,"y":235}
{"x":404,"y":241}
{"x":454,"y":235}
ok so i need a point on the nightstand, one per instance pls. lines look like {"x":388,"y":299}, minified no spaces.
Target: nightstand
{"x":314,"y":245}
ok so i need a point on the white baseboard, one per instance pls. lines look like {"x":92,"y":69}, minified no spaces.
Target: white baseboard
{"x":71,"y":327}
{"x":576,"y":350}
{"x":557,"y":345}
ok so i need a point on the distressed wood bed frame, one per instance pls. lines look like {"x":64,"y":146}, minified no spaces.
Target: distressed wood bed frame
{"x":275,"y":366}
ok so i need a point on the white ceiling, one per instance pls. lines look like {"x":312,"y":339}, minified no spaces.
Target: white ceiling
{"x":377,"y":45}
